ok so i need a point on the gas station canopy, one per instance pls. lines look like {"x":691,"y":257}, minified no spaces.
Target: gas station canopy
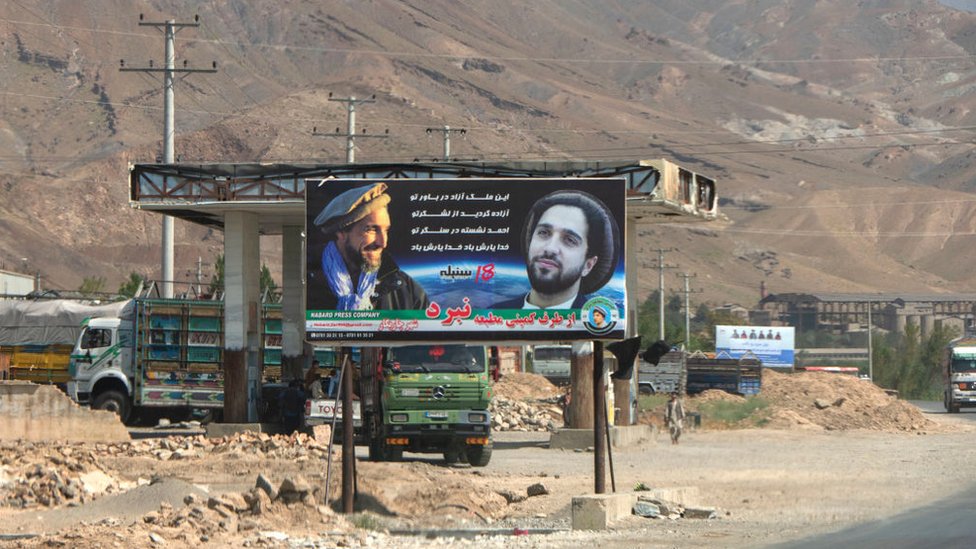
{"x":658,"y":191}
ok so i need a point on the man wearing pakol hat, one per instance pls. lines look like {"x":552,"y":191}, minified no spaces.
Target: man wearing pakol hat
{"x":357,"y":272}
{"x":599,"y":315}
{"x":570,"y":243}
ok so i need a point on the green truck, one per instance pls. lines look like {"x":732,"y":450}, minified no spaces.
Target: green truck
{"x":163,"y":354}
{"x":428,"y":399}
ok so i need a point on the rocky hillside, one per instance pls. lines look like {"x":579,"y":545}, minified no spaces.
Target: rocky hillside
{"x":837,"y":131}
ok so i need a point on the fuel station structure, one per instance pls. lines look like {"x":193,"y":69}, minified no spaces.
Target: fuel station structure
{"x":249,"y":200}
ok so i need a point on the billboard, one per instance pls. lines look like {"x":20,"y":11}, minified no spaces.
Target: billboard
{"x":773,"y":345}
{"x":494,"y":259}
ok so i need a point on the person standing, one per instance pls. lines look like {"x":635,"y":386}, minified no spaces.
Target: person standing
{"x":674,"y":416}
{"x":292,"y":403}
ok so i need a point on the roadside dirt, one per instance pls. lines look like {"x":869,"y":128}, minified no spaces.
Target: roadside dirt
{"x":813,"y":468}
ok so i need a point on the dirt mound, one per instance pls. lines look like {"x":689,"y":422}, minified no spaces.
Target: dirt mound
{"x":837,"y":402}
{"x":524,"y":386}
{"x":426,"y":492}
{"x":713,"y":395}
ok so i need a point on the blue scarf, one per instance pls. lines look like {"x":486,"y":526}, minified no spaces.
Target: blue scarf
{"x":340,"y":282}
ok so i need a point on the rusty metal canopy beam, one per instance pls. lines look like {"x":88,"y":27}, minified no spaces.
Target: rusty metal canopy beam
{"x":204,"y":193}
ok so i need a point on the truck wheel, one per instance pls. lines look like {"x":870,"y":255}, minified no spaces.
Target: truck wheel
{"x":479,"y":456}
{"x":451,"y":457}
{"x":953,"y":408}
{"x":113,"y":401}
{"x":394,"y":453}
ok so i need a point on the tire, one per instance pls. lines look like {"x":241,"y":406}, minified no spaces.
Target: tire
{"x":479,"y":456}
{"x":379,"y":451}
{"x":953,"y":408}
{"x":113,"y":401}
{"x":451,"y":457}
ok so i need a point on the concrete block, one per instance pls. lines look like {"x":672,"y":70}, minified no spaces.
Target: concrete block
{"x":43,"y":413}
{"x":620,"y":437}
{"x":598,"y":511}
{"x":685,"y":496}
{"x":216,"y":430}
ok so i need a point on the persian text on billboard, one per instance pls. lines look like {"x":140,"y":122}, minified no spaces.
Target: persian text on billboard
{"x":465,"y":259}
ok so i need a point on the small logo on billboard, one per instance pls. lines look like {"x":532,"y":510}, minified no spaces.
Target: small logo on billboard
{"x":599,"y":315}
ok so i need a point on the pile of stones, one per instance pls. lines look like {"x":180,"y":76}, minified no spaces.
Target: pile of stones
{"x":517,"y":415}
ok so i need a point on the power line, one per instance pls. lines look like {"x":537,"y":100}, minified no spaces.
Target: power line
{"x":575,"y":60}
{"x":128,"y":105}
{"x":169,"y":29}
{"x":351,"y":134}
{"x":859,"y":234}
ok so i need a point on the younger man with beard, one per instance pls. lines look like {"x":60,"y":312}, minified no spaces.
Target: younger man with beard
{"x":357,"y":272}
{"x":570,"y":245}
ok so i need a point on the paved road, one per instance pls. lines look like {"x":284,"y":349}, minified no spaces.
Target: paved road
{"x":947,"y":523}
{"x":937,"y":407}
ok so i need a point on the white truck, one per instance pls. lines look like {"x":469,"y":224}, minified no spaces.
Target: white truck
{"x":161,"y":354}
{"x":959,"y":374}
{"x":552,"y":362}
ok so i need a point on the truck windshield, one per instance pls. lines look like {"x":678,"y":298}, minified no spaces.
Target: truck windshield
{"x":553,"y":353}
{"x":439,"y":358}
{"x":964,"y":364}
{"x":96,"y":338}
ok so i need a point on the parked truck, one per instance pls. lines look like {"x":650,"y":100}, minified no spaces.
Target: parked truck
{"x":552,"y":362}
{"x":959,"y":374}
{"x":692,"y":373}
{"x":668,"y":376}
{"x":161,"y":354}
{"x":426,"y":398}
{"x":37,"y":336}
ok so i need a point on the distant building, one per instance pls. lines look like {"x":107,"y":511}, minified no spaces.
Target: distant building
{"x":733,"y":309}
{"x":15,"y":284}
{"x":843,"y":313}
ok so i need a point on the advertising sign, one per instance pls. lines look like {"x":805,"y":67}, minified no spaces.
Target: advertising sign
{"x":773,"y":345}
{"x":506,"y":259}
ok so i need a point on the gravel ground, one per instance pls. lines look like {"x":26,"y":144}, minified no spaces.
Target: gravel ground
{"x":768,"y":486}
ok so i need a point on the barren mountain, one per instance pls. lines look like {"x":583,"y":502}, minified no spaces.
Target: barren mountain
{"x":837,"y":130}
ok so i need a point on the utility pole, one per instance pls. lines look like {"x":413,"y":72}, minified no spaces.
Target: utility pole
{"x":687,"y":293}
{"x":661,"y":266}
{"x":350,"y":134}
{"x":447,"y":131}
{"x":169,"y":28}
{"x":870,"y":347}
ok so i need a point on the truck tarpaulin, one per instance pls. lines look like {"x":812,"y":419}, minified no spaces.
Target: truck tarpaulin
{"x":465,"y":259}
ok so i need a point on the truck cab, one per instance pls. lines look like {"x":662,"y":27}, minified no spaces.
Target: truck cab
{"x":959,"y":374}
{"x":553,"y":362}
{"x":427,"y":398}
{"x":97,"y":367}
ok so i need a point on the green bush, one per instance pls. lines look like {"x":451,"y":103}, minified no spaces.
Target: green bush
{"x":367,"y":521}
{"x":649,"y":402}
{"x":753,"y":410}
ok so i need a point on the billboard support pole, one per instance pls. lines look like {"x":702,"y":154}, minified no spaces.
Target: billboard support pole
{"x":599,"y":421}
{"x":348,"y":448}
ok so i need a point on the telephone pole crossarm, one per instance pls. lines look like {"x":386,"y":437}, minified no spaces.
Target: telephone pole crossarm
{"x":447,"y":131}
{"x":351,"y":134}
{"x":168,"y":69}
